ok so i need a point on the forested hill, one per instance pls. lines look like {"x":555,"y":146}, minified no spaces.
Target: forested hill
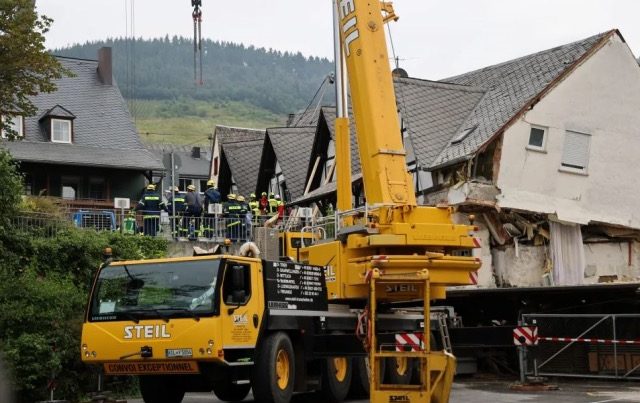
{"x":276,"y":81}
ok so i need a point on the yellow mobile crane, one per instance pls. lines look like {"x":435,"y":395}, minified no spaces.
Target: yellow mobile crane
{"x":233,"y":323}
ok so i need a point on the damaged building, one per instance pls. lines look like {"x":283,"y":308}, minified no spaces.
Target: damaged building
{"x":544,"y":164}
{"x":538,"y":151}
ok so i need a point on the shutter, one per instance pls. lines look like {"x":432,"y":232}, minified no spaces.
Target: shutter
{"x":576,"y":150}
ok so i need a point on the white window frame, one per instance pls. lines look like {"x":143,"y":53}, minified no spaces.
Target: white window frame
{"x":542,"y":148}
{"x":68,"y":123}
{"x":13,"y":119}
{"x":574,"y":169}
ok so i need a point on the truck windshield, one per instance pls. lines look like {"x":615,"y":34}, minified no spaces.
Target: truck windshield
{"x":156,"y":291}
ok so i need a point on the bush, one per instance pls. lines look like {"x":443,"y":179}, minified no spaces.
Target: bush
{"x":43,"y":292}
{"x":44,"y":285}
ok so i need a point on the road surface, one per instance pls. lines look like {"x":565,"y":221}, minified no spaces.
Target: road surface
{"x":497,"y":391}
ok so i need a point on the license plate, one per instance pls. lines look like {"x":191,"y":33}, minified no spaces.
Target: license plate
{"x":179,"y":352}
{"x":151,"y":367}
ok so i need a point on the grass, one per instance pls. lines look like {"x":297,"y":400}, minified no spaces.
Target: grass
{"x":186,"y":121}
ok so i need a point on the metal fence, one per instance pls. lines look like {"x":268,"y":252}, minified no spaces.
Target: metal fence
{"x":587,"y":345}
{"x":42,"y":225}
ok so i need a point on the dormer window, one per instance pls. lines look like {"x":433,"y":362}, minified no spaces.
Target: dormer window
{"x":60,"y":131}
{"x":15,"y":123}
{"x":57,"y":122}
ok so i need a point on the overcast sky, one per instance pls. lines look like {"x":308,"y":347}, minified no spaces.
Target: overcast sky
{"x":433,"y":38}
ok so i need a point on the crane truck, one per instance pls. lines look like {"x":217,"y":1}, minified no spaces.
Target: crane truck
{"x":324,"y":323}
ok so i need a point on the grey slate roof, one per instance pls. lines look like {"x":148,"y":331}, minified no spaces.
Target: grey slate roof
{"x":292,"y":146}
{"x":103,"y":133}
{"x":58,"y":111}
{"x":71,"y":154}
{"x":189,"y":166}
{"x":322,"y":191}
{"x":306,"y":118}
{"x":242,"y":149}
{"x":510,"y":87}
{"x":432,"y":112}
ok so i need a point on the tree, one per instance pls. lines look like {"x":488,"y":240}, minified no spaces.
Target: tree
{"x":26,"y":68}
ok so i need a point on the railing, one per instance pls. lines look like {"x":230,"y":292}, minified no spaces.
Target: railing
{"x":588,"y":345}
{"x":38,"y":224}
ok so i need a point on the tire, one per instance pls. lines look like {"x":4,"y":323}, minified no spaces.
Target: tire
{"x":274,"y":370}
{"x":360,"y":379}
{"x":160,"y":389}
{"x":399,"y":371}
{"x":336,"y":378}
{"x":229,"y":392}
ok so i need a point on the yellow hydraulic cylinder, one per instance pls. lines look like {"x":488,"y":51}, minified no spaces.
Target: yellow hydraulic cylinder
{"x":343,"y":164}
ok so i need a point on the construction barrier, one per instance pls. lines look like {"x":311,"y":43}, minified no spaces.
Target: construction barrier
{"x":580,"y":345}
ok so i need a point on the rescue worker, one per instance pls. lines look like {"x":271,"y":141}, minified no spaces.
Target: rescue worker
{"x":193,"y":211}
{"x":211,"y":196}
{"x":264,"y":205}
{"x":330,"y":221}
{"x":280,"y":207}
{"x":231,"y":211}
{"x":129,"y":225}
{"x":244,"y":216}
{"x":177,"y":200}
{"x":150,"y":204}
{"x":273,"y":205}
{"x":254,"y":207}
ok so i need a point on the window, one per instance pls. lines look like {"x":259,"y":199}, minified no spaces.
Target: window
{"x":215,"y":166}
{"x":463,"y":135}
{"x":575,"y":154}
{"x":236,"y":289}
{"x":70,"y":187}
{"x":60,"y":131}
{"x":184,"y":182}
{"x":203,"y":185}
{"x":16,"y":123}
{"x":537,"y":138}
{"x":96,"y":188}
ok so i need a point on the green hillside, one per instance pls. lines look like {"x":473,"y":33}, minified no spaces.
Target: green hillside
{"x":280,"y":82}
{"x":187,"y":121}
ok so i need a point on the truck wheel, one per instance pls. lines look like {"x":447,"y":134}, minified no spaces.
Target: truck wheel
{"x":274,"y":370}
{"x":336,"y":378}
{"x":399,"y":370}
{"x":160,"y":389}
{"x":361,"y":373}
{"x":229,"y":392}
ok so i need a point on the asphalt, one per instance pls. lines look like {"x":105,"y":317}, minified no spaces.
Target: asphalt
{"x":498,"y":391}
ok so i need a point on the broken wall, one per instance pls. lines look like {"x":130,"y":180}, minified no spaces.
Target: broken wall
{"x":606,"y":262}
{"x":486,"y":278}
{"x":521,"y":268}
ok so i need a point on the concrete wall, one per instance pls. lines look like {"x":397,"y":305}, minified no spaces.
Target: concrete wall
{"x":612,"y":259}
{"x":524,"y":269}
{"x":486,"y":277}
{"x":601,"y":98}
{"x":602,"y":260}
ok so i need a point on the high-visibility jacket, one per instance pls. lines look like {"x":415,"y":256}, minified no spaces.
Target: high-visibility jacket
{"x":273,"y":206}
{"x":254,"y":205}
{"x":150,"y":203}
{"x":176,"y":199}
{"x":280,"y":208}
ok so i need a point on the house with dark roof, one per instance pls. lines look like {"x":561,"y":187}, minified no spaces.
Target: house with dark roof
{"x":191,"y":165}
{"x":82,"y":144}
{"x":285,"y":161}
{"x":236,"y":159}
